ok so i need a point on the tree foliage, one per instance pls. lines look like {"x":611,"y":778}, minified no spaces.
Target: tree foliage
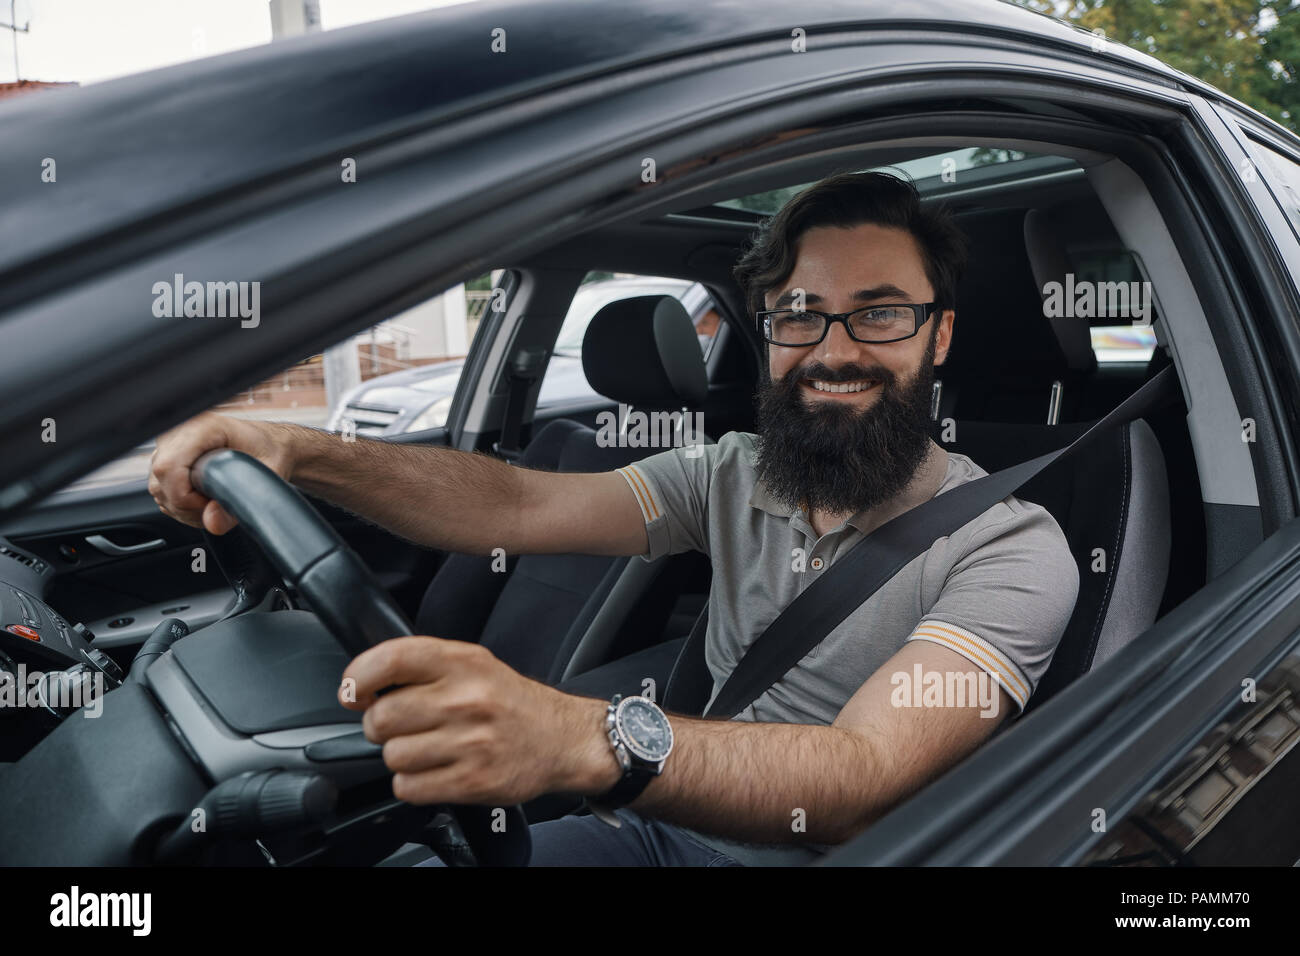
{"x":1249,"y":49}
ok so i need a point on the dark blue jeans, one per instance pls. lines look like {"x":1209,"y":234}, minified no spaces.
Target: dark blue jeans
{"x":586,"y":841}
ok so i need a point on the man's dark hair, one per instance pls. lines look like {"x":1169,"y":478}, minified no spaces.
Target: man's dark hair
{"x":847,"y":200}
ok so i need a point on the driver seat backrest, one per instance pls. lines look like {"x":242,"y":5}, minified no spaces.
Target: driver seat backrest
{"x":643,"y":352}
{"x":1113,"y":506}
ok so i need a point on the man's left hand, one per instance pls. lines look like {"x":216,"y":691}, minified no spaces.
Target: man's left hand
{"x":463,"y":727}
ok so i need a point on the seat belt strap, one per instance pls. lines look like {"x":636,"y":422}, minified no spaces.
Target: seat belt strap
{"x":525,"y":368}
{"x":864,"y":568}
{"x":690,"y":683}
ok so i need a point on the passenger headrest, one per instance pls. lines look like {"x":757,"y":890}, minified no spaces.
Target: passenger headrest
{"x":643,"y":351}
{"x":1049,"y":263}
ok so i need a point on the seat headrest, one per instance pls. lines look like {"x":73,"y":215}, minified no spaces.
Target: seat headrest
{"x":1049,"y":263}
{"x":643,"y":351}
{"x":1000,"y":328}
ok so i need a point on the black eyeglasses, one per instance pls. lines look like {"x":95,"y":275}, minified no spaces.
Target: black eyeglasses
{"x":871,"y":325}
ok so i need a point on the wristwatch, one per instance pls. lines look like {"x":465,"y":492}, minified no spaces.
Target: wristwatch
{"x":642,"y":739}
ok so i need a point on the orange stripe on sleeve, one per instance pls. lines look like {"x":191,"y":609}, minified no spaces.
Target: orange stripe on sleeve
{"x":640,"y":482}
{"x":978,"y":651}
{"x":638,"y":486}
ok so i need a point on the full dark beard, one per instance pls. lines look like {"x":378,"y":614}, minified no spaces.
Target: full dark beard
{"x":834,"y":457}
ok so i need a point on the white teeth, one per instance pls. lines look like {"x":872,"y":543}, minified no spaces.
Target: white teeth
{"x":841,"y":386}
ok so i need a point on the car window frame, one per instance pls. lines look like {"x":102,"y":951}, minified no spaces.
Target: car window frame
{"x":1289,"y":153}
{"x":477,"y":359}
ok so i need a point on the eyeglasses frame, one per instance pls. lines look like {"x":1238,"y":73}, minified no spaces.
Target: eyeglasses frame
{"x":921,"y":312}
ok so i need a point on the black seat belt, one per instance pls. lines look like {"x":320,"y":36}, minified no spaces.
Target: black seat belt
{"x":865,"y":567}
{"x":525,"y":368}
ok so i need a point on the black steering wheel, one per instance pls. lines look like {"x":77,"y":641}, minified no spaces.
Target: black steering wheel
{"x":311,"y":557}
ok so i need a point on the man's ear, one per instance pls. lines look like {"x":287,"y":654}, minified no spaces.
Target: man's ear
{"x":943,"y":337}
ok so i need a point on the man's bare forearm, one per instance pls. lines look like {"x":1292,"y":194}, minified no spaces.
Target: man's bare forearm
{"x":761,"y":782}
{"x":437,"y":497}
{"x":769,"y":783}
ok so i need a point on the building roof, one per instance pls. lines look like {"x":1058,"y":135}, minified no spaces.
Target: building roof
{"x":28,"y":86}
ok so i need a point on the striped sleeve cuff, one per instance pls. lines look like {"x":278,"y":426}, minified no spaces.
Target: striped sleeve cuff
{"x":641,"y":488}
{"x":979,"y":652}
{"x":656,"y":520}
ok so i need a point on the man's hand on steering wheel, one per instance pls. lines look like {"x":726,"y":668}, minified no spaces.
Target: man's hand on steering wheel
{"x":466,"y":728}
{"x":177,"y":451}
{"x":461,"y":727}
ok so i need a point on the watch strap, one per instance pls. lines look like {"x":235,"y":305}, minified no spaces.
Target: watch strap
{"x":634,"y":781}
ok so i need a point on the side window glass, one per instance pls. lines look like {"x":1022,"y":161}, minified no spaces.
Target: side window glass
{"x":1284,"y":177}
{"x":407,"y":367}
{"x":565,"y":381}
{"x":706,"y":327}
{"x":1112,"y":344}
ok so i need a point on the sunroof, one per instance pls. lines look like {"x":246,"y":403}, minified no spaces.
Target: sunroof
{"x":929,"y":173}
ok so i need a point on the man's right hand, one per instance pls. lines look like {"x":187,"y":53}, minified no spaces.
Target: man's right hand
{"x":178,"y":450}
{"x":437,"y":497}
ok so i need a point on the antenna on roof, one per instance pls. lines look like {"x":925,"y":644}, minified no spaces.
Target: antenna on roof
{"x":14,"y":28}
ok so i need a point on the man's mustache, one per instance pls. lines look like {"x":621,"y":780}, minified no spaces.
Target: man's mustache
{"x":845,"y":373}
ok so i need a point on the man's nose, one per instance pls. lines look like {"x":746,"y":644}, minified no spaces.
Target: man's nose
{"x":838,"y":349}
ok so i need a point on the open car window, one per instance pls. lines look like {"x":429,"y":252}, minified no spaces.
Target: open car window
{"x":398,"y":376}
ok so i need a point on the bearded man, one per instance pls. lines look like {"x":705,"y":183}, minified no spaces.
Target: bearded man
{"x":852,"y":286}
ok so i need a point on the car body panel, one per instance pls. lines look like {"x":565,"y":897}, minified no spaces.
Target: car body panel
{"x":366,"y":71}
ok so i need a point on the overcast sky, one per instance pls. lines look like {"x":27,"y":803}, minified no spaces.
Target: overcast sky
{"x":91,"y":40}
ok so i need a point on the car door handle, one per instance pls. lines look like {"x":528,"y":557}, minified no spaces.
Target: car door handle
{"x":121,"y":550}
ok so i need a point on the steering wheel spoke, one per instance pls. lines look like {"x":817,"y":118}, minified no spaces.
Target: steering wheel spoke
{"x":251,"y":576}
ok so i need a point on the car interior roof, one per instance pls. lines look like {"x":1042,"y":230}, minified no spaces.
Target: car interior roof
{"x":692,"y":237}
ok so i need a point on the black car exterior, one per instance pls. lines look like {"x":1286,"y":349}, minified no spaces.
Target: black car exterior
{"x":230,"y":166}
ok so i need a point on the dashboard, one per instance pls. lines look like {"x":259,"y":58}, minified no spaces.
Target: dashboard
{"x":48,"y":667}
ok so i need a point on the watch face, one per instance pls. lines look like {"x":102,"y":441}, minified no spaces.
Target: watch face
{"x":644,"y":729}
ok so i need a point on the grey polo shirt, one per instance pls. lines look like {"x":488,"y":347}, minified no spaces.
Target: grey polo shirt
{"x":999,"y":591}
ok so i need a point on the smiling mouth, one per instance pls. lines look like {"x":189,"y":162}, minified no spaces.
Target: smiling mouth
{"x":861,"y":385}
